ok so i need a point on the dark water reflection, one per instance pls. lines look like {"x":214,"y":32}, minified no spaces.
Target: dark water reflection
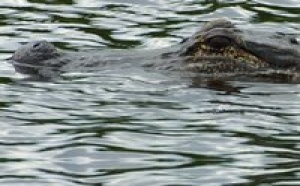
{"x":137,"y":127}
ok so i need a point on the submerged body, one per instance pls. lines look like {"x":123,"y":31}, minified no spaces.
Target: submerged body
{"x":217,"y":49}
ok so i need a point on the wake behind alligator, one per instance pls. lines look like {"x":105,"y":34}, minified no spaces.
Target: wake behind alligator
{"x":218,"y":49}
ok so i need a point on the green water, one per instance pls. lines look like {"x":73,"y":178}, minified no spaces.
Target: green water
{"x":136,"y":127}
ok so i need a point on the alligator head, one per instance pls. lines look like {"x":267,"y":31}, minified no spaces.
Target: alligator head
{"x":218,"y":48}
{"x":221,"y":47}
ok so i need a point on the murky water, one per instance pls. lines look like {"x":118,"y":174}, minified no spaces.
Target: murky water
{"x":139,"y":127}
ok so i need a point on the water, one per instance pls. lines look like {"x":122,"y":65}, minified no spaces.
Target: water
{"x":139,"y":127}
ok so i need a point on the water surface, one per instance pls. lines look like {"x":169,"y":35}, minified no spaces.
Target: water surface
{"x":136,"y":127}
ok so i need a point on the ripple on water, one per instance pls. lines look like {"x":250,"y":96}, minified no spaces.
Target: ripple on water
{"x":135,"y":127}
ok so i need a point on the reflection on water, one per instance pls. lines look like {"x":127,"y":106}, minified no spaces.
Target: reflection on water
{"x":138,"y":127}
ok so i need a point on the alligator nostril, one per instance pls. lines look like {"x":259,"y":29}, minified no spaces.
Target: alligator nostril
{"x":294,"y":41}
{"x":36,"y":45}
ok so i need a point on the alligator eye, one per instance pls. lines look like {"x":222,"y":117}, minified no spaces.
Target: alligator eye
{"x":219,"y":42}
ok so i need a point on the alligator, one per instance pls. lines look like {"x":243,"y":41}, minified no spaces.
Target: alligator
{"x":219,"y":48}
